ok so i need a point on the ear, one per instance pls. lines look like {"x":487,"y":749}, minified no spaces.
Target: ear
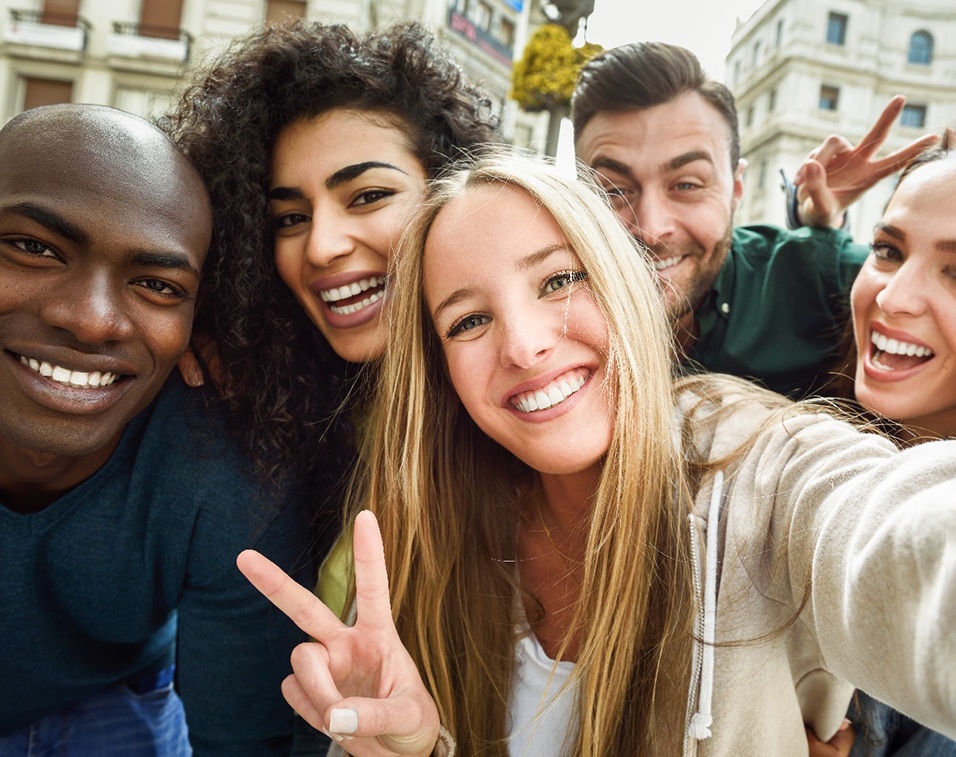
{"x":738,"y":183}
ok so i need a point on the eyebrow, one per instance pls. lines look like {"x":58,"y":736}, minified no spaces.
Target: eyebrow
{"x":523,"y":264}
{"x":51,"y":220}
{"x":343,"y":175}
{"x":943,"y":245}
{"x":168,"y":260}
{"x":673,"y":164}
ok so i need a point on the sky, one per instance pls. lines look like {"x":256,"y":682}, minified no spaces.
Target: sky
{"x":702,"y":26}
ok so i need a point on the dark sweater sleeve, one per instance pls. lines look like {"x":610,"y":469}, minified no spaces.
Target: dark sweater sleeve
{"x":233,"y":646}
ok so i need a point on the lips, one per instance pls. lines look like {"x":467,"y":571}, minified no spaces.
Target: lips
{"x":895,"y":354}
{"x":67,"y":377}
{"x":550,"y":394}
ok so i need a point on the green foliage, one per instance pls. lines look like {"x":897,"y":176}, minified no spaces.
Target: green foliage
{"x":544,"y":77}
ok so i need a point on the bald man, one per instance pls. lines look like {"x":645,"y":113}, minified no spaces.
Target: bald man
{"x":126,"y":628}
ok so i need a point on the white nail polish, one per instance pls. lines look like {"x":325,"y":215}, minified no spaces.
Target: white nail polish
{"x":343,"y":720}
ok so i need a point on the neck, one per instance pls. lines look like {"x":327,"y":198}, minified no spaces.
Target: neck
{"x":686,"y":331}
{"x":31,"y":481}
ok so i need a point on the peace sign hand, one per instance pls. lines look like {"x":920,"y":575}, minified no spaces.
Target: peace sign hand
{"x":835,"y":174}
{"x":356,"y":683}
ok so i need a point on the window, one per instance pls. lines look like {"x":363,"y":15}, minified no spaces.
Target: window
{"x":38,"y":92}
{"x":779,"y":37}
{"x":836,"y":29}
{"x":829,"y":97}
{"x":483,"y":16}
{"x":772,"y":101}
{"x":756,"y":56}
{"x":161,"y":18}
{"x":750,"y":116}
{"x":913,"y":115}
{"x":60,"y":12}
{"x":921,"y":49}
{"x":506,"y":32}
{"x":762,"y":176}
{"x":736,"y":71}
{"x":284,"y":11}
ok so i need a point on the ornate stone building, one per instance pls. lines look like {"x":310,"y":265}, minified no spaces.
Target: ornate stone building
{"x":803,"y":69}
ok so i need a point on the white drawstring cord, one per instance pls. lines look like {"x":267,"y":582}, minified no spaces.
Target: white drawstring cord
{"x":702,"y":720}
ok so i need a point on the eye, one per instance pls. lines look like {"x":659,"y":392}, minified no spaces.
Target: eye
{"x":33,"y":247}
{"x":288,"y":221}
{"x":466,"y":324}
{"x":370,"y":197}
{"x":884,"y":252}
{"x":563,"y":280}
{"x":162,"y":288}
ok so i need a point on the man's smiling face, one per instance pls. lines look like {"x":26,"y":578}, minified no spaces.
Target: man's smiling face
{"x":103,"y":231}
{"x":667,"y":169}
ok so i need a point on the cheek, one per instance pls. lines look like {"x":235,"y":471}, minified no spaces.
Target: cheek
{"x":288,"y":262}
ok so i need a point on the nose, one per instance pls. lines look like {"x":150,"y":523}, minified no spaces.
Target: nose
{"x":649,"y":218}
{"x":527,"y":338}
{"x":904,"y":292}
{"x":92,"y":308}
{"x":329,"y":239}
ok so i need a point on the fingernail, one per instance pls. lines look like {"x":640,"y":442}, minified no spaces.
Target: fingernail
{"x":343,"y":720}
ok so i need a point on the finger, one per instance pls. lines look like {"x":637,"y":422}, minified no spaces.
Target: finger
{"x":372,"y":605}
{"x":877,"y":134}
{"x":818,"y":204}
{"x":833,"y":147}
{"x":301,"y":606}
{"x":896,"y":160}
{"x":189,"y":369}
{"x":311,"y":666}
{"x":401,"y":725}
{"x":299,"y":701}
{"x":842,"y":742}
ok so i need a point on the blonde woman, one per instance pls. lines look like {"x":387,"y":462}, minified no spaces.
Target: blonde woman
{"x":586,"y":558}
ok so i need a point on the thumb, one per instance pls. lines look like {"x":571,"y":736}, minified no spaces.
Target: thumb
{"x":401,"y":728}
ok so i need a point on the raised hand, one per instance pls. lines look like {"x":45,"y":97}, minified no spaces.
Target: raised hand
{"x":835,"y":174}
{"x":357,"y":683}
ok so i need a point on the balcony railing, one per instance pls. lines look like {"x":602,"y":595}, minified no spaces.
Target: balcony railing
{"x":130,"y":40}
{"x":55,"y":31}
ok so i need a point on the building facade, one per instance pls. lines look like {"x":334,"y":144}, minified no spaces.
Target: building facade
{"x":804,"y":69}
{"x":133,"y":54}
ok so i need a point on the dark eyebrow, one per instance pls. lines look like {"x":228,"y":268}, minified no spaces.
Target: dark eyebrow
{"x":943,"y":245}
{"x":350,"y":172}
{"x":341,"y":176}
{"x":614,"y":165}
{"x":170,"y":260}
{"x":686,"y":158}
{"x":51,"y":220}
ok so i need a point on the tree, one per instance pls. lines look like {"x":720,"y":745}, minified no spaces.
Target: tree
{"x":543,"y":80}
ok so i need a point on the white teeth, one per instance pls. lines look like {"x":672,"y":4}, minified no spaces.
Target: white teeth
{"x":549,"y":396}
{"x":350,"y":290}
{"x":79,"y":379}
{"x":355,"y":307}
{"x":660,"y":265}
{"x":898,"y":347}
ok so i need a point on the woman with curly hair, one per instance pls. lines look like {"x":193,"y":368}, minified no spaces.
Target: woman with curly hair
{"x":315,"y":144}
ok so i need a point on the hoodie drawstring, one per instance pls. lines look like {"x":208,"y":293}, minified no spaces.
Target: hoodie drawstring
{"x":702,"y":720}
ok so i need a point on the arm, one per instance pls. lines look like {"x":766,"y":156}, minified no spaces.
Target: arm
{"x":835,"y":174}
{"x":357,"y":683}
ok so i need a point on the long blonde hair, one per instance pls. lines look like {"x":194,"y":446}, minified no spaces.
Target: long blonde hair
{"x":445,"y":495}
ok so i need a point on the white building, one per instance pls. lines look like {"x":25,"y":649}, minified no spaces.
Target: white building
{"x":804,"y":69}
{"x":132,"y":54}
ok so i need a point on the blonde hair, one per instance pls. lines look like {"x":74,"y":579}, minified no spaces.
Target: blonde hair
{"x":446,"y":498}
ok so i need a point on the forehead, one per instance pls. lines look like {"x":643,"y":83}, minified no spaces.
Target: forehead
{"x":652,"y":136}
{"x":119,"y":184}
{"x":341,"y":137}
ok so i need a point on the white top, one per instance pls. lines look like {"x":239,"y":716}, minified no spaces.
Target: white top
{"x":543,"y":714}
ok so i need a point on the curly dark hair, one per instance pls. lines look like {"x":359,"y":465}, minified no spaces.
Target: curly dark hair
{"x":283,"y":384}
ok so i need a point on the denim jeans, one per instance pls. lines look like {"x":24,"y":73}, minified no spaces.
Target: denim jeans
{"x":138,"y":718}
{"x":881,"y":731}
